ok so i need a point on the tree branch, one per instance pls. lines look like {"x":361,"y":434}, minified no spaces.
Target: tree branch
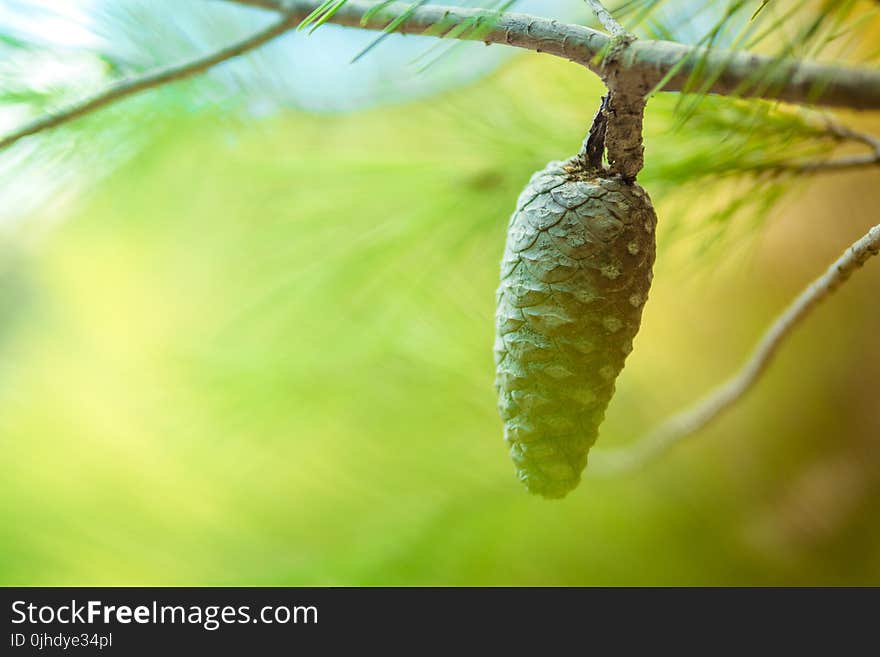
{"x":692,"y":420}
{"x":841,"y":134}
{"x":826,"y":166}
{"x":131,"y":86}
{"x":732,"y":73}
{"x":606,"y":19}
{"x":645,"y":63}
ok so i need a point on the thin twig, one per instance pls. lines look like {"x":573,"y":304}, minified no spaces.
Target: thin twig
{"x":692,"y":420}
{"x":608,"y":21}
{"x":839,"y":164}
{"x":124,"y":88}
{"x":840,"y":133}
{"x":844,"y":133}
{"x":732,"y":73}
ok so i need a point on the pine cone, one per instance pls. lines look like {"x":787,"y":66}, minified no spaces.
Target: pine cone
{"x":574,"y":278}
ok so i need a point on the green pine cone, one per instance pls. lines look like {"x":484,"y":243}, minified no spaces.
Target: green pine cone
{"x":574,"y":279}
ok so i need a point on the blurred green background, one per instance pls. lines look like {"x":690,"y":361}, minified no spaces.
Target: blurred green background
{"x":259,"y":353}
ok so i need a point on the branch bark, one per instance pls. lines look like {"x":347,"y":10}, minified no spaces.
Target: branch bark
{"x":732,"y":73}
{"x":708,"y":409}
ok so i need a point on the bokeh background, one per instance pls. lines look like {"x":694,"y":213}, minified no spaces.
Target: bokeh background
{"x":246,"y":328}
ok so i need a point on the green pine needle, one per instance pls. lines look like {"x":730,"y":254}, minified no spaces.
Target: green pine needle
{"x":390,"y":28}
